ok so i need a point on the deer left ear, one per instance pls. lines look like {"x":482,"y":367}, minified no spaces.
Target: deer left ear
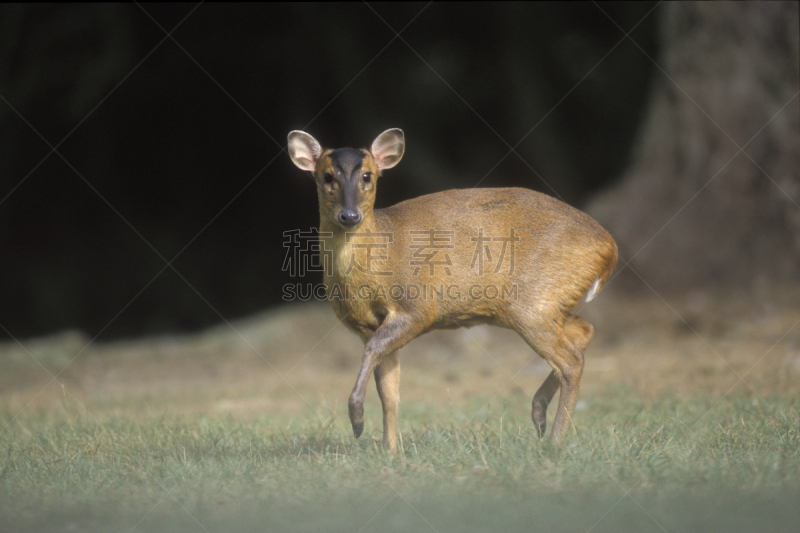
{"x":388,"y":148}
{"x":304,"y":150}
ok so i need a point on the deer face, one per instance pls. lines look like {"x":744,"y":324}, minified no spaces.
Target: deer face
{"x":346,"y":177}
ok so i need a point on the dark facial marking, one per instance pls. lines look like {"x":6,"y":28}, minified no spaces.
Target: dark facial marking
{"x":346,"y":160}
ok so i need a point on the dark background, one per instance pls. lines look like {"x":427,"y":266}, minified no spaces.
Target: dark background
{"x":164,"y":203}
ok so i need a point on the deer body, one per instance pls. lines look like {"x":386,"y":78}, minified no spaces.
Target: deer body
{"x":510,"y":257}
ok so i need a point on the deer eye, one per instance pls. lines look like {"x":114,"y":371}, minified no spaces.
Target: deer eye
{"x":367,"y":177}
{"x":327,"y":178}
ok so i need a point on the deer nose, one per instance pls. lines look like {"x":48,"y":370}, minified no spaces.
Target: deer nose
{"x":349,"y":217}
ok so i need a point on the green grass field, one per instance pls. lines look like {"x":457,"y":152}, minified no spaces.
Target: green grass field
{"x":632,"y":465}
{"x":145,"y":437}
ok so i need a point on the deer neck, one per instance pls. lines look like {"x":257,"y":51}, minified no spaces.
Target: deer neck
{"x":358,"y":254}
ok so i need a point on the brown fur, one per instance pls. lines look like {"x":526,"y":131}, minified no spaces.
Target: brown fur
{"x":553,"y":255}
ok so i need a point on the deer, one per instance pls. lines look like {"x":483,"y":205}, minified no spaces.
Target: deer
{"x":426,"y":264}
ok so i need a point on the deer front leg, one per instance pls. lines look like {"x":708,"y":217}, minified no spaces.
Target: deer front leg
{"x":394,"y":333}
{"x":387,"y":379}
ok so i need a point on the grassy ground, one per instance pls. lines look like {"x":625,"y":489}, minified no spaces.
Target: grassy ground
{"x":688,"y":420}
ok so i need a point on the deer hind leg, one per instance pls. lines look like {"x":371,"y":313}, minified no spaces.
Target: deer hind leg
{"x":542,"y":399}
{"x":563,"y":349}
{"x":387,"y":380}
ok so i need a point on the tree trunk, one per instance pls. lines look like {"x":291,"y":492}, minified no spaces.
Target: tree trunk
{"x":713,"y":191}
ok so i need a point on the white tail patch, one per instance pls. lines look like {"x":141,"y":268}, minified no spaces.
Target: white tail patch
{"x":593,"y":290}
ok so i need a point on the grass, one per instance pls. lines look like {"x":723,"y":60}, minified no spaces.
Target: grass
{"x":688,"y":420}
{"x":687,"y":463}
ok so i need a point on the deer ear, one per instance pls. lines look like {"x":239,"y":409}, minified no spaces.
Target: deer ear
{"x":388,"y":148}
{"x":304,"y":150}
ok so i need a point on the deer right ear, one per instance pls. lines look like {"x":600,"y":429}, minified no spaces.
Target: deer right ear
{"x":304,"y":150}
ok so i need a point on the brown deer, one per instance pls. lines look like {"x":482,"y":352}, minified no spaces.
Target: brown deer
{"x":509,"y":257}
